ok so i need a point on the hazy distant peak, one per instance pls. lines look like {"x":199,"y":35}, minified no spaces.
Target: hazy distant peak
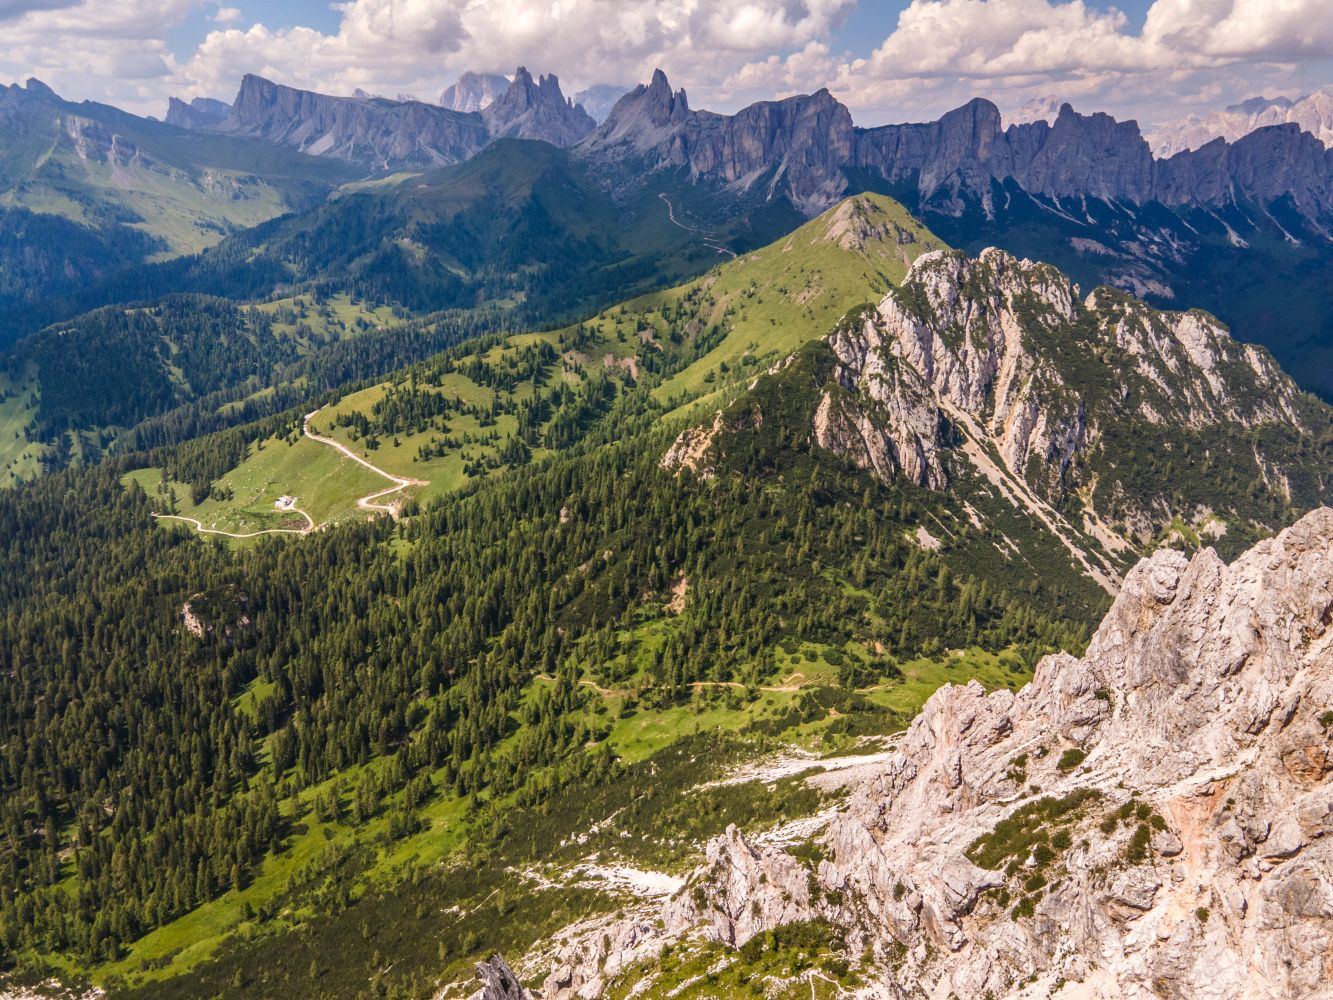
{"x":474,"y":91}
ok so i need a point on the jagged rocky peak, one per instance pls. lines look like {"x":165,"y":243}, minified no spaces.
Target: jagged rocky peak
{"x":536,"y":109}
{"x":37,"y":88}
{"x":1151,"y":819}
{"x":1087,"y":155}
{"x":33,"y":90}
{"x":474,"y":91}
{"x":643,"y":117}
{"x":795,"y":148}
{"x":200,"y":113}
{"x":256,"y":95}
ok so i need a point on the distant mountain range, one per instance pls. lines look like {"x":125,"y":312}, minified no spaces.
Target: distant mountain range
{"x":381,"y":135}
{"x":600,"y":99}
{"x":1313,"y":113}
{"x":1240,"y":227}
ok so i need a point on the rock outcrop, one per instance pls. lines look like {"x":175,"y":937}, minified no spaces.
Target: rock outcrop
{"x":797,"y":147}
{"x":531,"y":109}
{"x":498,"y":981}
{"x":202,"y":112}
{"x":643,"y":120}
{"x":1151,"y":819}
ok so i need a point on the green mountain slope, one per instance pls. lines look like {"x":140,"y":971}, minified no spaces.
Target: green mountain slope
{"x":87,"y":190}
{"x":486,"y":408}
{"x":1113,"y":425}
{"x":522,"y":230}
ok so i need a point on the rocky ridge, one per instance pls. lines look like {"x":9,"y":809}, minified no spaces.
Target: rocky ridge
{"x":807,"y":147}
{"x":202,"y":112}
{"x":536,"y":109}
{"x":995,"y":369}
{"x":383,"y":135}
{"x":1148,"y":820}
{"x":808,"y":150}
{"x":377,"y":133}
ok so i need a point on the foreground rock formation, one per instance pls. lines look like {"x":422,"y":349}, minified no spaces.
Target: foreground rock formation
{"x":1149,"y":820}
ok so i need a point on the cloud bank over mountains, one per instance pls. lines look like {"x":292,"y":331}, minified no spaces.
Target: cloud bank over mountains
{"x":1186,"y":55}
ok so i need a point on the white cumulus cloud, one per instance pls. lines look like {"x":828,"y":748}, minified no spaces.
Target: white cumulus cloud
{"x":938,"y":53}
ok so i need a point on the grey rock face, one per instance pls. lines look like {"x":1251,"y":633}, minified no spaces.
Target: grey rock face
{"x":996,"y":364}
{"x":200,"y":113}
{"x":804,"y":147}
{"x":747,"y":892}
{"x":797,"y":147}
{"x":644,"y":119}
{"x":1184,"y":854}
{"x":531,"y":109}
{"x":384,"y":135}
{"x":379,"y":134}
{"x":1265,"y":165}
{"x":498,"y":981}
{"x":473,"y":91}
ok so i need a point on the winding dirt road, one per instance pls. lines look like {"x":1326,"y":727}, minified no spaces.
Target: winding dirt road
{"x":249,"y":534}
{"x":704,"y":238}
{"x":366,"y":502}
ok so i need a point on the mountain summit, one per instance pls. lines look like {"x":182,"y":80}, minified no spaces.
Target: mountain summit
{"x":531,"y":109}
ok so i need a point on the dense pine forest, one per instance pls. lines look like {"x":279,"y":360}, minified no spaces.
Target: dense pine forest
{"x":138,"y":788}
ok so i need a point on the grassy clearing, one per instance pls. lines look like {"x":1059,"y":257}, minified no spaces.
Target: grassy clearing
{"x":19,"y":457}
{"x":326,"y":485}
{"x":401,"y":453}
{"x":923,"y":677}
{"x":331,"y":318}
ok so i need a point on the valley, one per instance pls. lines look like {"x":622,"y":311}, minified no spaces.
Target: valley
{"x":498,"y":548}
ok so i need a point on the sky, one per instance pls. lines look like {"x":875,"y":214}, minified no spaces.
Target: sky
{"x":888,"y":60}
